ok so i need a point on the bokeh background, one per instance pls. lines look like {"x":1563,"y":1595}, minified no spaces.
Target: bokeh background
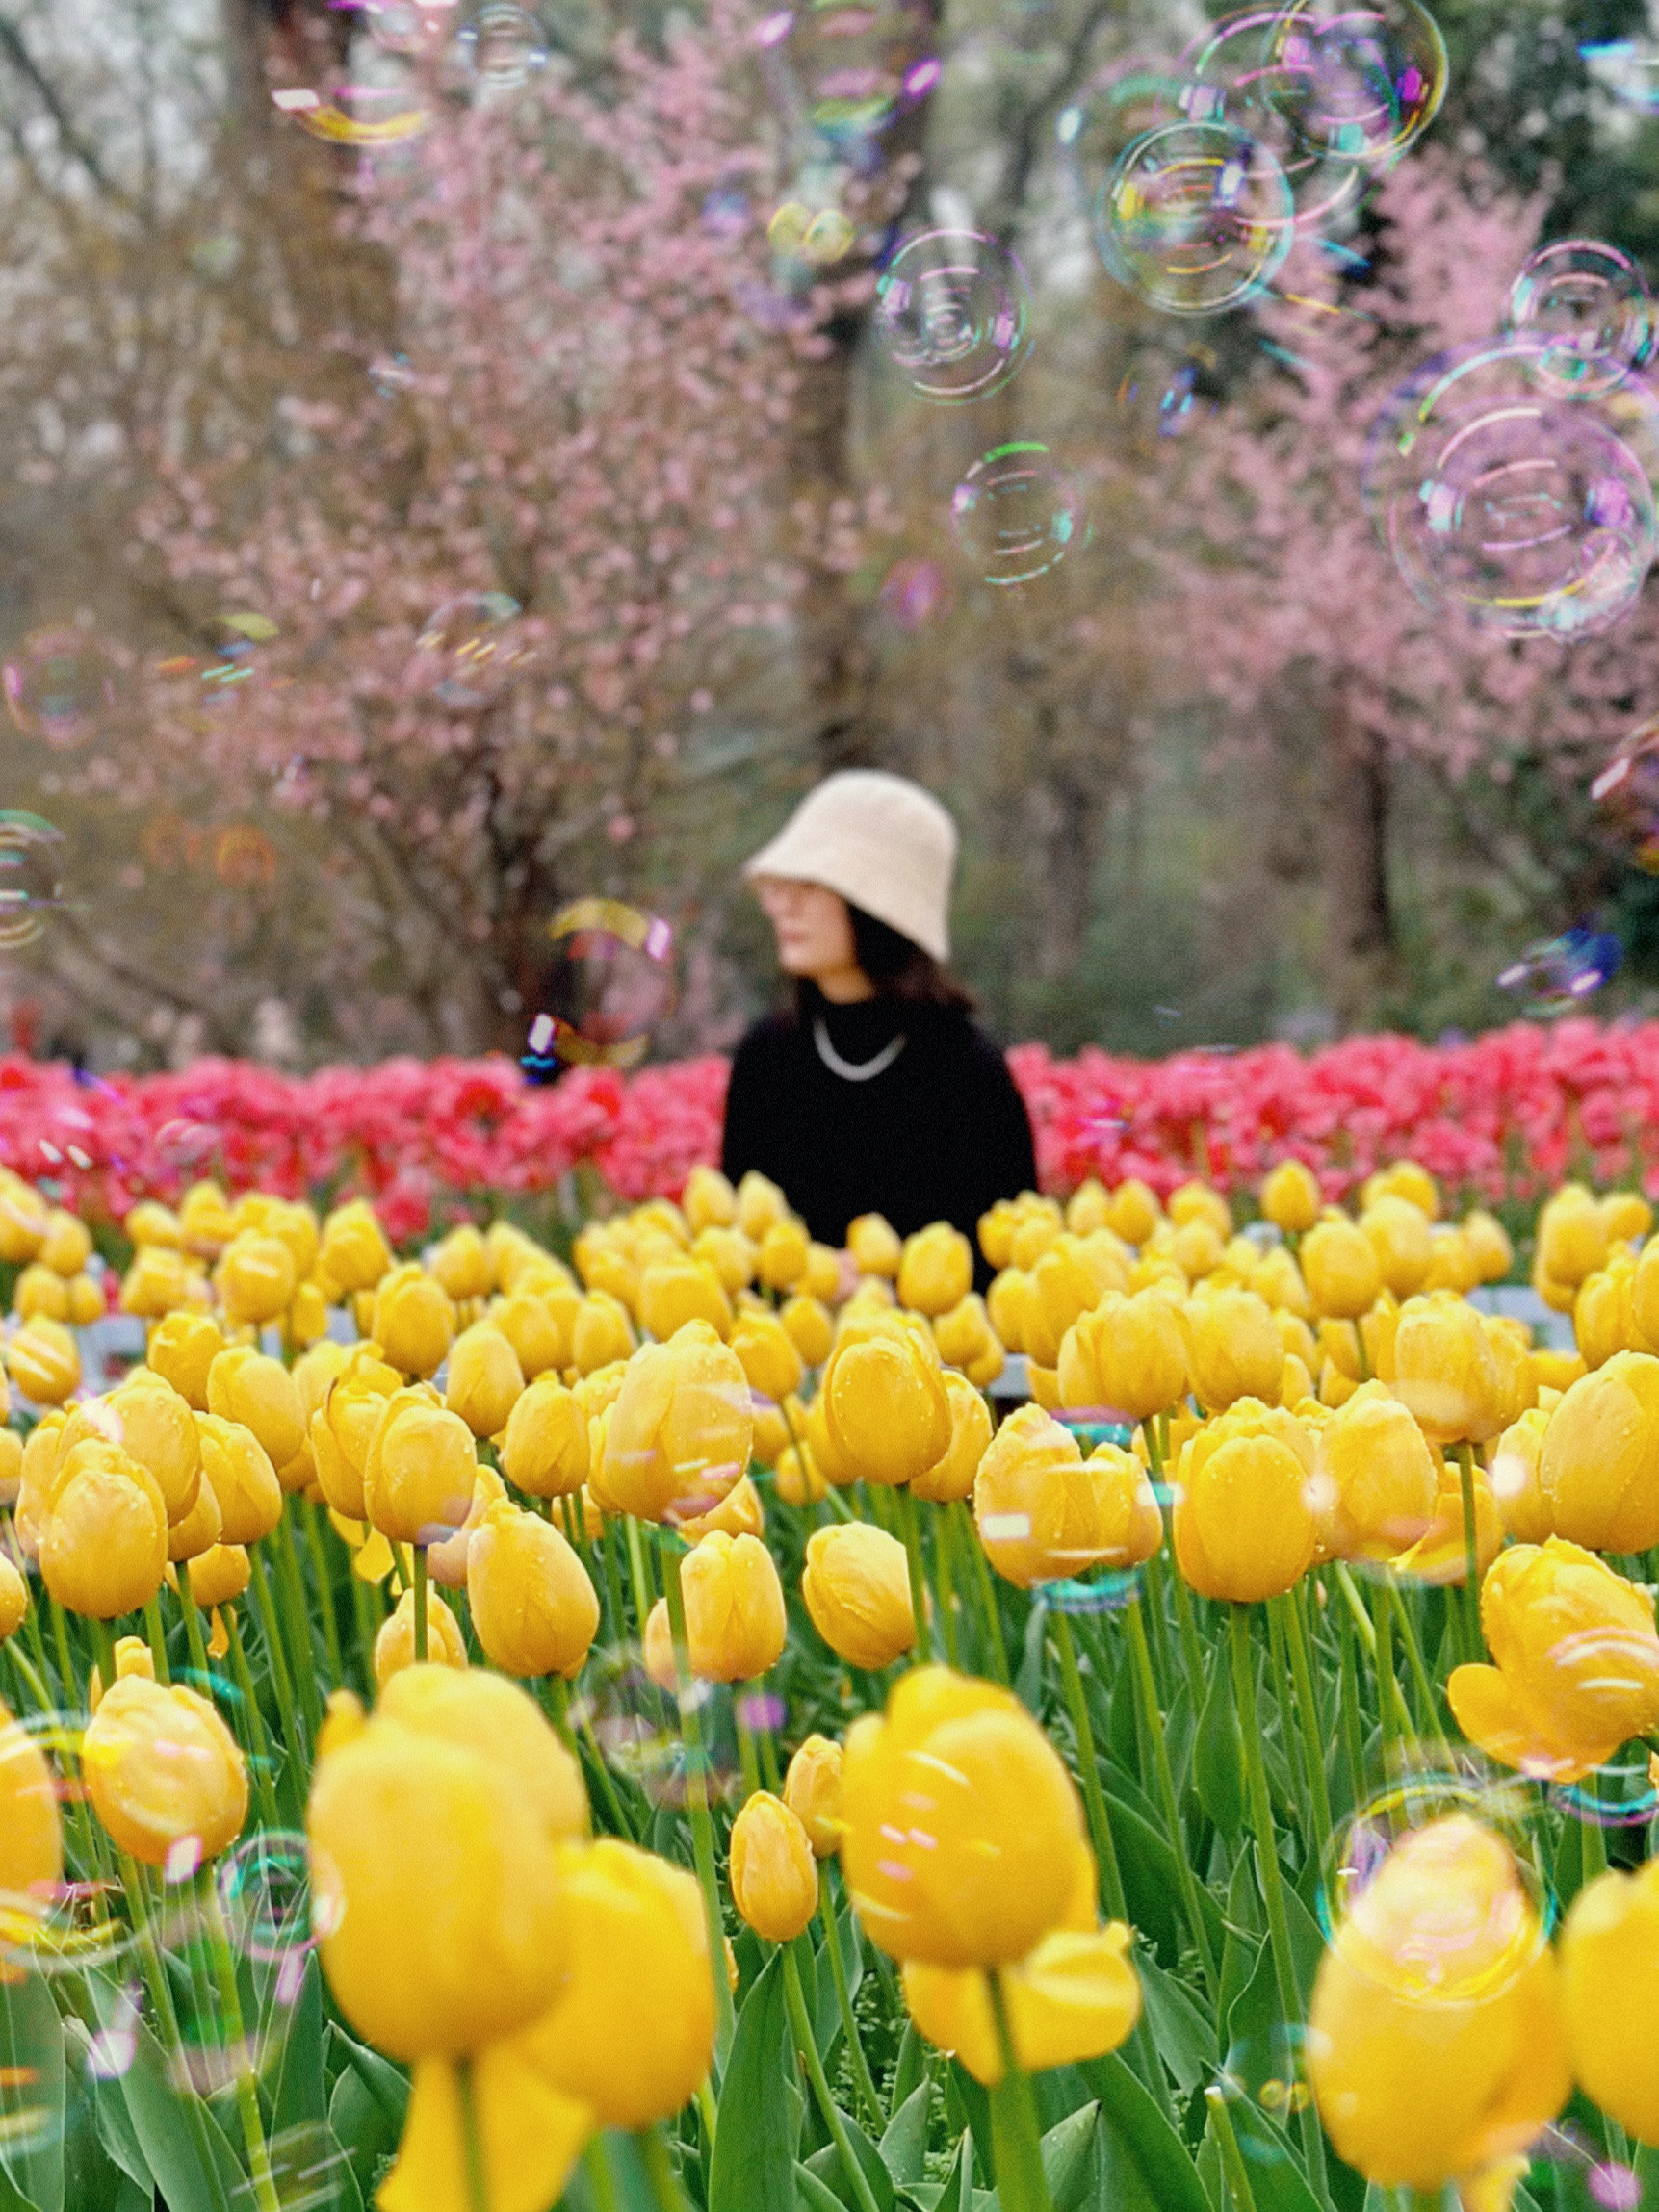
{"x":440,"y":485}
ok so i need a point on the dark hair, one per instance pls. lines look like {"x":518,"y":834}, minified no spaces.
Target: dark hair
{"x":896,"y":966}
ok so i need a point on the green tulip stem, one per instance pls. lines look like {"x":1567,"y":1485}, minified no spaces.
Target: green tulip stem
{"x":806,"y":2044}
{"x":66,"y":1675}
{"x":39,"y":1693}
{"x":666,"y":2193}
{"x":1360,"y":1354}
{"x":1267,"y":1865}
{"x":187,"y":1605}
{"x":904,"y":1504}
{"x":748,"y":1760}
{"x":1312,"y":1735}
{"x":996,"y":1654}
{"x":319,"y":1551}
{"x":258,"y":1744}
{"x":420,"y":1605}
{"x":1388,"y":1689}
{"x":1476,"y":1649}
{"x":37,"y":1645}
{"x":1593,"y":1843}
{"x":473,"y":2142}
{"x":861,"y":2075}
{"x":1298,"y":1788}
{"x":366,"y":1612}
{"x":1021,"y":2185}
{"x":1153,"y":1730}
{"x":945,"y":1568}
{"x":1232,"y":2164}
{"x":639,"y":1574}
{"x":294,"y":1741}
{"x":1094,"y":1797}
{"x":291,"y":1588}
{"x":609,"y":1552}
{"x":697,"y":1802}
{"x":157,"y":1637}
{"x":245,"y":2059}
{"x":1419,"y":1671}
{"x":1353,"y":1741}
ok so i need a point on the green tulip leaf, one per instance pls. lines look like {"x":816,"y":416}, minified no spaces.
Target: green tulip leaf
{"x":1217,"y":1770}
{"x":904,"y":2143}
{"x":826,"y":2165}
{"x":754,"y":2163}
{"x":1143,"y":2164}
{"x":911,"y":2064}
{"x":183,"y":2144}
{"x":1067,"y":2156}
{"x":1183,"y":2033}
{"x":32,"y":2104}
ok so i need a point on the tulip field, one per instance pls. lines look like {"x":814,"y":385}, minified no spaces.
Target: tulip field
{"x":657,"y":1727}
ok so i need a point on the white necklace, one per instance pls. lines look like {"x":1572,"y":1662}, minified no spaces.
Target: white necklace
{"x":854,"y":1071}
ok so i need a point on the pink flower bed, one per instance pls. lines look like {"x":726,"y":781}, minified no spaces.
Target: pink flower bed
{"x":1505,"y":1114}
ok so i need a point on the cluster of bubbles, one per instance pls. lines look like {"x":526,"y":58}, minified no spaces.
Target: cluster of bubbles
{"x":1197,"y":173}
{"x":399,"y":52}
{"x":1512,"y":478}
{"x":610,"y":981}
{"x":471,"y":649}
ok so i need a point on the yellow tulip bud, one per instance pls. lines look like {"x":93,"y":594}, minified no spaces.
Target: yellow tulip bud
{"x":40,"y":1290}
{"x":533,"y":1605}
{"x":419,"y":1473}
{"x":14,"y":1599}
{"x":781,"y":1263}
{"x":414,"y":1320}
{"x":729,"y":1253}
{"x":306,"y":1322}
{"x":103,"y":1543}
{"x":874,"y":1244}
{"x":768,"y":1356}
{"x":1197,"y":1201}
{"x":680,"y":1431}
{"x":738,"y":1513}
{"x":1375,"y":1479}
{"x":162,"y":1770}
{"x":1449,"y":1369}
{"x":1134,"y":1213}
{"x":158,"y":1282}
{"x":951,"y":1475}
{"x":344,"y":1426}
{"x":1233,"y":1348}
{"x":638,"y":1936}
{"x":1595,"y":1466}
{"x":447,"y":1558}
{"x":1340,"y":1268}
{"x":219,"y":1575}
{"x":1434,"y":2042}
{"x":674,"y":1291}
{"x":1292,"y":1197}
{"x":1400,"y":1237}
{"x":1127,"y":1356}
{"x":31,"y":1826}
{"x":797,"y":1478}
{"x":485,"y":1380}
{"x":708,"y":1200}
{"x":238,"y":1468}
{"x":44,"y":1361}
{"x":1487,"y":1242}
{"x":1603,"y":1321}
{"x":353,"y":1252}
{"x":1572,"y":1236}
{"x":544,"y":1448}
{"x":246,"y":1385}
{"x":395,"y":1643}
{"x":444,"y":1794}
{"x":734,"y":1619}
{"x":533,"y":1329}
{"x":256,"y":1277}
{"x":11,"y":1466}
{"x":996,"y":1226}
{"x":132,"y":1656}
{"x":960,"y":1824}
{"x":601,"y":1332}
{"x":182,"y":1348}
{"x":856,"y":1587}
{"x":807,"y":1324}
{"x":1441,"y":1554}
{"x":1277,"y":1282}
{"x":935,"y":1269}
{"x":774,"y":1875}
{"x":1608,"y":1961}
{"x":1045,"y":1513}
{"x":1244,"y":1520}
{"x":204,"y":1220}
{"x":200,"y":1529}
{"x":1577,"y":1663}
{"x":461,"y":1265}
{"x":1513,"y":1475}
{"x":760,"y":1204}
{"x":24,"y":1220}
{"x":884,"y":1400}
{"x":811,"y":1791}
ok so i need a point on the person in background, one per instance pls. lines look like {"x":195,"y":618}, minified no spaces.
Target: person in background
{"x":876,"y":1092}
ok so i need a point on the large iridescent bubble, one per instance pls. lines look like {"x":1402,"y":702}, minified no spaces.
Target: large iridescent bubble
{"x":1591,"y":305}
{"x":1017,"y":514}
{"x":1194,"y":217}
{"x":953,"y":314}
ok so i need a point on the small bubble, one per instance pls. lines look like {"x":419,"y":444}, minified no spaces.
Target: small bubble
{"x":503,"y":46}
{"x":610,"y":982}
{"x":60,"y":686}
{"x":1016,"y":514}
{"x":471,"y":649}
{"x":953,"y":314}
{"x":1558,"y":975}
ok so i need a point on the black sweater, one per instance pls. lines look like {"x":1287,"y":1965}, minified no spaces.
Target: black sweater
{"x":936,"y":1135}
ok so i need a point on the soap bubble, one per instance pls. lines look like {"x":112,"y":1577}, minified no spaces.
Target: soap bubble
{"x":634,"y":1726}
{"x":914,"y":591}
{"x":60,"y":686}
{"x":244,"y":858}
{"x":1194,"y":217}
{"x":1107,"y":1592}
{"x":31,"y":877}
{"x":358,"y":110}
{"x":1361,"y":79}
{"x":1621,"y":1795}
{"x":1121,"y":104}
{"x":390,"y":374}
{"x":1558,"y":974}
{"x":409,"y":27}
{"x":953,"y":314}
{"x":1627,"y":792}
{"x":1591,"y":305}
{"x":237,"y":638}
{"x":1626,"y":67}
{"x":1016,"y":514}
{"x":1237,"y":71}
{"x":817,"y":236}
{"x":612,"y":982}
{"x":855,"y":64}
{"x":1163,"y":394}
{"x":503,"y":45}
{"x":471,"y":649}
{"x":1529,"y":513}
{"x":265,"y":1893}
{"x":1361,"y":1844}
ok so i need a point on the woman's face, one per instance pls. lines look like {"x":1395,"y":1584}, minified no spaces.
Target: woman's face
{"x":813,"y":926}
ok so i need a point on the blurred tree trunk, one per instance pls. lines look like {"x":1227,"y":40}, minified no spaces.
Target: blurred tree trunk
{"x":1363,"y":943}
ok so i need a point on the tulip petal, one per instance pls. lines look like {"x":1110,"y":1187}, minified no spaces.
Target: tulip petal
{"x":530,"y":2135}
{"x":1486,"y":1708}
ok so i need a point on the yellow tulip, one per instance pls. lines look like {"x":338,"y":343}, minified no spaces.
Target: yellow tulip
{"x":1577,"y":1663}
{"x":447,"y":1559}
{"x":884,"y":1400}
{"x":533,"y":1329}
{"x":353,"y":1252}
{"x":11,"y":1466}
{"x":24,"y":1219}
{"x":1291,"y":1198}
{"x":533,"y":1605}
{"x":162,"y":1769}
{"x":738,"y":1513}
{"x":256,"y":1277}
{"x":204,"y":1220}
{"x":1089,"y":1207}
{"x":1277,"y":1282}
{"x":484,"y":1380}
{"x":420,"y":1470}
{"x":760,"y":1204}
{"x":219,"y":1574}
{"x":40,"y":1289}
{"x":768,"y":1356}
{"x":709,"y":1200}
{"x":735,"y":1617}
{"x":182,"y":1349}
{"x":774,"y":1875}
{"x":414,"y":1320}
{"x":1609,"y":1964}
{"x":1488,"y":1240}
{"x":244,"y":1385}
{"x":797,"y":1478}
{"x":1197,"y":1201}
{"x":44,"y":1361}
{"x":856,"y":1587}
{"x":14,"y":1599}
{"x":960,"y":1824}
{"x":343,"y":1429}
{"x":1572,"y":1236}
{"x":1233,"y":1348}
{"x":154,"y":1426}
{"x":1434,"y":2042}
{"x":1045,"y":1513}
{"x":952,"y":1474}
{"x":601,"y":1332}
{"x":935,"y":1269}
{"x":673,"y":1292}
{"x":1244,"y":1520}
{"x":1596,"y":1468}
{"x":680,"y":1430}
{"x":1450,"y":1370}
{"x":1645,"y":1298}
{"x":1400,"y":1237}
{"x":1375,"y":1477}
{"x":1440,"y":1553}
{"x":525,"y":2135}
{"x":237,"y":1469}
{"x":1603,"y":1321}
{"x":103,"y":1545}
{"x":395,"y":1641}
{"x":1129,"y":1356}
{"x":544,"y":1450}
{"x":807,"y":1326}
{"x":1340,"y":1268}
{"x":159,"y":1281}
{"x":811,"y":1791}
{"x":1134,"y":1213}
{"x":874,"y":1244}
{"x":784,"y":1254}
{"x":461,"y":1264}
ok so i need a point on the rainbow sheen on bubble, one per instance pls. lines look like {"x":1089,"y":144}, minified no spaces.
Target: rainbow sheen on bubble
{"x":471,"y":649}
{"x":1504,"y":499}
{"x":1361,"y":81}
{"x":914,"y":591}
{"x":1016,"y":514}
{"x":60,"y":686}
{"x":31,"y":877}
{"x":853,"y":65}
{"x":1360,"y":1845}
{"x":409,"y":27}
{"x":1591,"y":305}
{"x":953,"y":314}
{"x":1626,"y":68}
{"x":1628,"y":793}
{"x":503,"y":46}
{"x":1194,"y":217}
{"x":1561,"y":974}
{"x":611,"y":980}
{"x":1163,"y":394}
{"x":632,"y":1724}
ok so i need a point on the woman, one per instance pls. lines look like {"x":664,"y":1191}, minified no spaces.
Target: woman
{"x":876,"y":1093}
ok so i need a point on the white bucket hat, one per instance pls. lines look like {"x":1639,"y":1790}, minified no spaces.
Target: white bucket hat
{"x":883,"y":842}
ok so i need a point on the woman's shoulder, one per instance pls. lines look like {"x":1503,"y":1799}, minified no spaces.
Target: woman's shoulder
{"x":773,"y":1036}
